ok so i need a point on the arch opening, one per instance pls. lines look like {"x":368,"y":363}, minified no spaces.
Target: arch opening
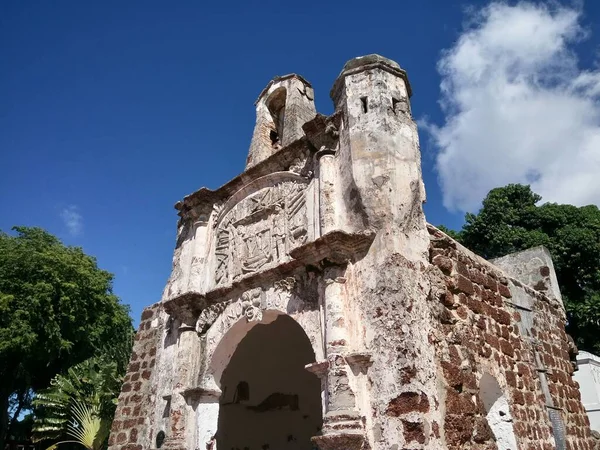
{"x":276,"y":106}
{"x":269,"y":401}
{"x":497,"y":412}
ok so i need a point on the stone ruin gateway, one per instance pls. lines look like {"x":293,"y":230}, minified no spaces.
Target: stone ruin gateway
{"x":311,"y":306}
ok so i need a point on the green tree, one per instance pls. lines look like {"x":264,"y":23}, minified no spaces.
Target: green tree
{"x":56,"y":309}
{"x":512,"y":219}
{"x":86,"y":395}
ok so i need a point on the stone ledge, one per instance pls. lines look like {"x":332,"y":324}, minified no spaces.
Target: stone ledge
{"x":322,"y":131}
{"x":197,"y":393}
{"x":361,"y":360}
{"x":342,"y":429}
{"x":186,"y":306}
{"x":337,"y":441}
{"x":338,"y":247}
{"x":319,"y":368}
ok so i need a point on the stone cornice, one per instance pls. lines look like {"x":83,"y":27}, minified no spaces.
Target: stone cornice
{"x":369,"y":62}
{"x":186,"y":306}
{"x":322,"y":131}
{"x":336,"y":247}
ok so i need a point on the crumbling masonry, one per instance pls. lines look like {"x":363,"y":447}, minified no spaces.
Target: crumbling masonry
{"x":311,"y":305}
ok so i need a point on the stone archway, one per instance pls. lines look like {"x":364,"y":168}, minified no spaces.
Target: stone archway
{"x":268,"y":400}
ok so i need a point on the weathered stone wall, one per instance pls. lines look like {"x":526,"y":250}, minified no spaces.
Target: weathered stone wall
{"x":131,"y":428}
{"x":379,"y":188}
{"x":400,"y":402}
{"x":489,"y":323}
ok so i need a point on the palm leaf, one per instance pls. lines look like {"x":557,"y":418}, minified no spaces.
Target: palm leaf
{"x":86,"y":426}
{"x":95,"y":382}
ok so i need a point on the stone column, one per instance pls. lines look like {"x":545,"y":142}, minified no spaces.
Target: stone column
{"x":207,"y":413}
{"x":326,"y":164}
{"x":181,"y":424}
{"x":342,"y":424}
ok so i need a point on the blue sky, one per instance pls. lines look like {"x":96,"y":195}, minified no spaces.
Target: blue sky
{"x":110,"y":112}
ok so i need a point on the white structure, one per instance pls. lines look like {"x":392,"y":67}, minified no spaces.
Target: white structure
{"x":588,"y":377}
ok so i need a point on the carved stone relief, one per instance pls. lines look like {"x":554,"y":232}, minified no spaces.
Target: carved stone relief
{"x":209,"y":315}
{"x":260,"y":230}
{"x":249,"y":305}
{"x":282,"y":296}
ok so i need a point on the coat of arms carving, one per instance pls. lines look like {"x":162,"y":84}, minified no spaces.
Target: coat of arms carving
{"x":260,"y":230}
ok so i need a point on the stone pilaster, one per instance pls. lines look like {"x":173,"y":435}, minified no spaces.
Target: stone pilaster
{"x":205,"y":398}
{"x":181,"y":416}
{"x":327,"y":175}
{"x":197,"y":280}
{"x":342,"y":424}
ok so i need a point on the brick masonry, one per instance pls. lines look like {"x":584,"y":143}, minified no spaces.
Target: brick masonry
{"x":130,"y":429}
{"x":480,"y":330}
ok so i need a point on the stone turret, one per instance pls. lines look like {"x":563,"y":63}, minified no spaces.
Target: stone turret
{"x":282,"y":108}
{"x":379,"y":150}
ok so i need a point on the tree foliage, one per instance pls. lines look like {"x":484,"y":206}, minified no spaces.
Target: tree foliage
{"x":511,"y":220}
{"x":57,"y":309}
{"x":85,"y":395}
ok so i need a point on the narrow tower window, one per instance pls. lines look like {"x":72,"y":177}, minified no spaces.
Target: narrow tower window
{"x":242,"y":392}
{"x":274,"y":137}
{"x":365,"y":106}
{"x":497,"y":412}
{"x":276,"y":105}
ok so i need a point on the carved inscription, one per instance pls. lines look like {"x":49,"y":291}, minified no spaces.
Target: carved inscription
{"x":260,"y":230}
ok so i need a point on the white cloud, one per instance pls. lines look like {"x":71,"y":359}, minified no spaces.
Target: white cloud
{"x":518,"y":109}
{"x":72,"y":219}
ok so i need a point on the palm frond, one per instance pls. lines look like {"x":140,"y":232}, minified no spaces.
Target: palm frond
{"x":95,"y":382}
{"x":89,"y":429}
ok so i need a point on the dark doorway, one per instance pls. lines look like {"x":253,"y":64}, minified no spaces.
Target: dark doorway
{"x":269,"y":400}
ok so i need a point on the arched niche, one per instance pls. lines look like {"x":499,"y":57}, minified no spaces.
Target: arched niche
{"x":497,"y":412}
{"x":268,"y":400}
{"x":276,"y":106}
